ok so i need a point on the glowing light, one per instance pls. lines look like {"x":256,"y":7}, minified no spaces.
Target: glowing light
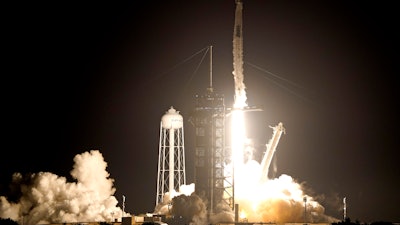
{"x":262,"y":199}
{"x":243,"y":215}
{"x":238,"y":134}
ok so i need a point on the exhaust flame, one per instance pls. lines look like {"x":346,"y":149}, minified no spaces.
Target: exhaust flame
{"x":238,"y":134}
{"x":260,"y":199}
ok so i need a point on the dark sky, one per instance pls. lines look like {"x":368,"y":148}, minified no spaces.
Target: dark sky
{"x":77,"y":77}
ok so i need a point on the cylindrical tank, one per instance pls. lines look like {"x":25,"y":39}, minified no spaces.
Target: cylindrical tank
{"x":171,"y":161}
{"x":172,"y":119}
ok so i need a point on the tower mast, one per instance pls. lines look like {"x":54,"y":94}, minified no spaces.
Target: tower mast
{"x":211,"y":75}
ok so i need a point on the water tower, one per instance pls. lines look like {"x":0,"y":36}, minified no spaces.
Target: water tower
{"x":171,"y":155}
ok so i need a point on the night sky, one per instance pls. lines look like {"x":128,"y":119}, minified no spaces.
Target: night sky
{"x":77,"y":77}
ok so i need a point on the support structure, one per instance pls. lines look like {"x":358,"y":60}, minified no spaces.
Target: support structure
{"x":212,"y":182}
{"x":270,"y":151}
{"x":171,"y":155}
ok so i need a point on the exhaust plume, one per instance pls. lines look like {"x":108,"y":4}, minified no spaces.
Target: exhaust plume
{"x":261,"y":199}
{"x":192,"y":208}
{"x":240,"y":93}
{"x":48,"y":198}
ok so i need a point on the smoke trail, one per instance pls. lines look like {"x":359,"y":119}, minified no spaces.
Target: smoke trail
{"x":240,"y":93}
{"x":48,"y":198}
{"x":277,"y":200}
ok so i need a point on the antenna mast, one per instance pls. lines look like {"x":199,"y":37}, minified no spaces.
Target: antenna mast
{"x":211,"y":84}
{"x":344,"y":209}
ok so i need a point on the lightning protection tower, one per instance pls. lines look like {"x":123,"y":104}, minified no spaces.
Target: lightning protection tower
{"x":171,"y":155}
{"x":213,"y":182}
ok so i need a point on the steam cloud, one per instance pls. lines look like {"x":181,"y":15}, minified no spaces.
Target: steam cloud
{"x":277,"y":200}
{"x":48,"y":198}
{"x":192,"y":208}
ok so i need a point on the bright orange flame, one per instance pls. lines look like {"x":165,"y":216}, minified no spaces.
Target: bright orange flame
{"x":275,"y":200}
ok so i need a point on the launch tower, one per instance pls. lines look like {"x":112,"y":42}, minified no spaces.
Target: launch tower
{"x":212,"y":182}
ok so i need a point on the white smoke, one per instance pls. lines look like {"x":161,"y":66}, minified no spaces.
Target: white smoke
{"x":280,"y":200}
{"x":238,"y":77}
{"x":48,"y":198}
{"x":192,"y":208}
{"x":165,"y":207}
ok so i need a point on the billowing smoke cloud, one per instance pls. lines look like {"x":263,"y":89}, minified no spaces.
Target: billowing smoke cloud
{"x":187,"y":205}
{"x":165,"y":207}
{"x":223,"y":213}
{"x":279,"y":200}
{"x":191,"y":208}
{"x":48,"y":198}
